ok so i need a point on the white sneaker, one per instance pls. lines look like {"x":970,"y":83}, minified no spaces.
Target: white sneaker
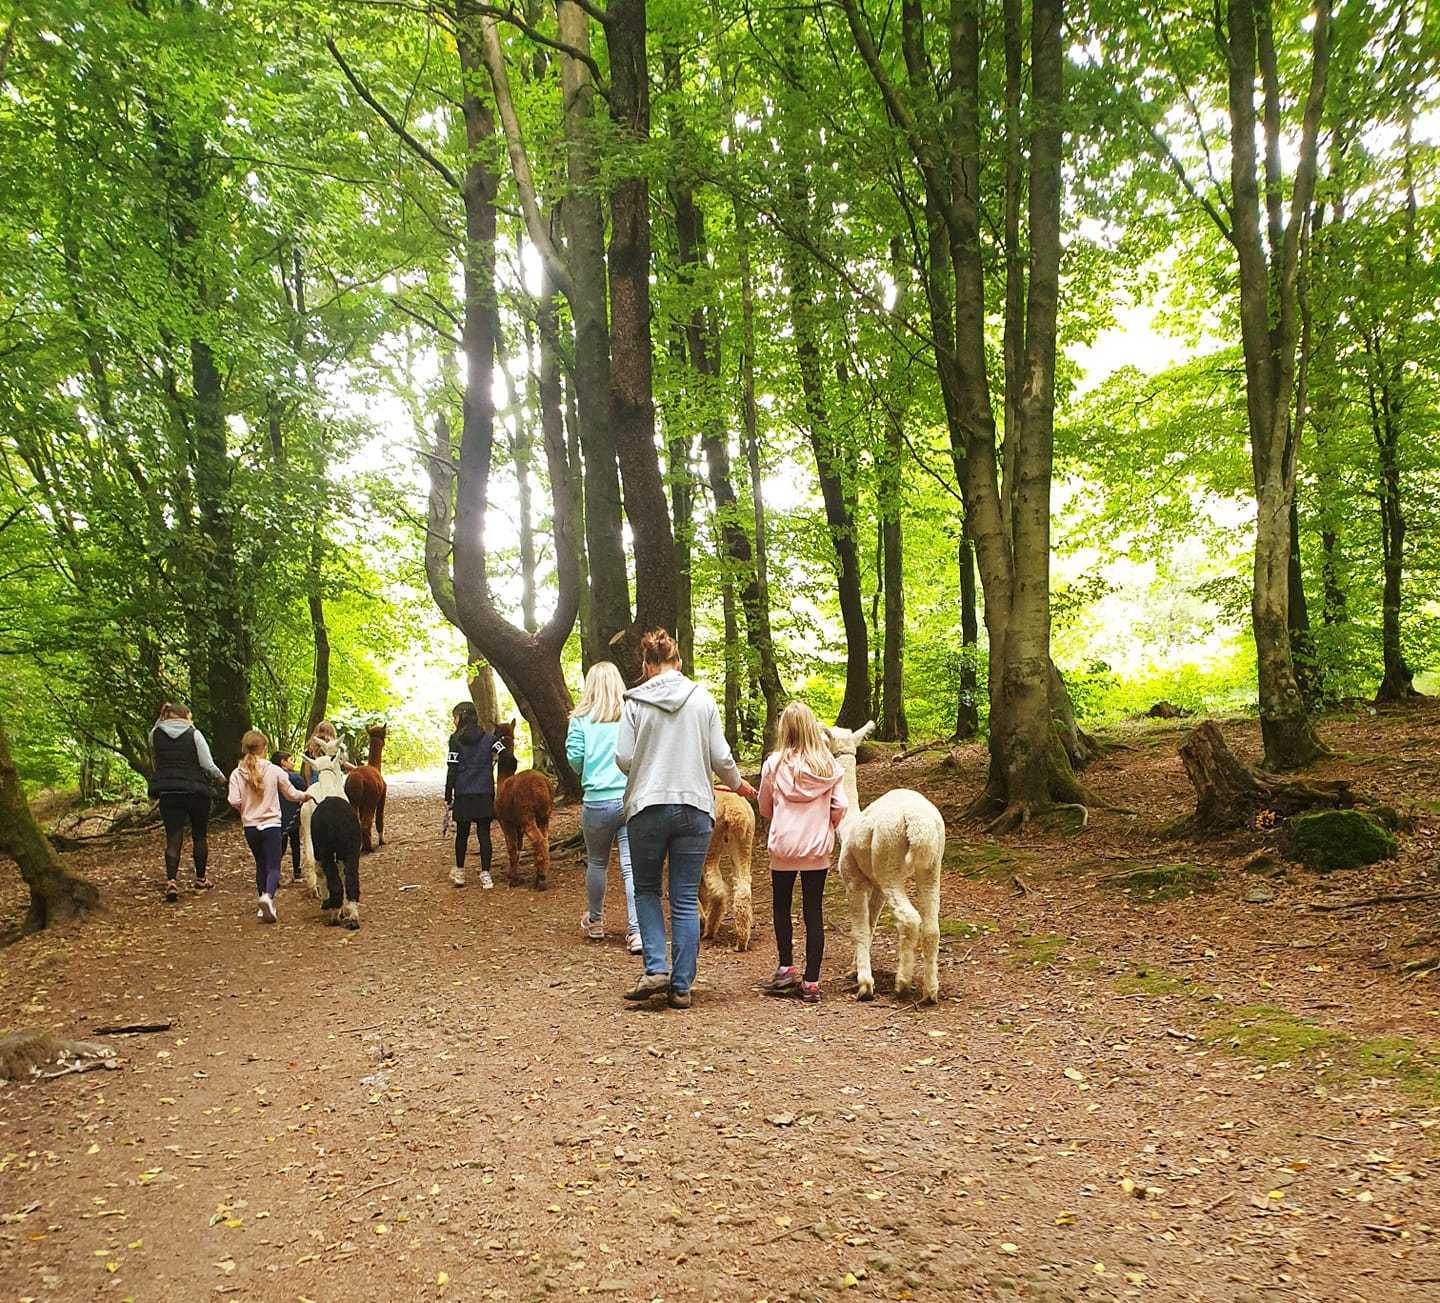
{"x":592,"y":929}
{"x":266,"y":912}
{"x":457,"y":876}
{"x":486,"y":881}
{"x":634,"y":944}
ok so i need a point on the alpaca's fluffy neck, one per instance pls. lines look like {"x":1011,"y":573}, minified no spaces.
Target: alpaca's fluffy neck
{"x":852,"y":791}
{"x":377,"y":747}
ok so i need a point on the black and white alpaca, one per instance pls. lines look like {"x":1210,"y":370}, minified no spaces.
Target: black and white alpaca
{"x":335,"y":834}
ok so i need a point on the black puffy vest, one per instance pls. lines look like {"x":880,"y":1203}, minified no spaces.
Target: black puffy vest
{"x":474,"y":763}
{"x":177,"y":765}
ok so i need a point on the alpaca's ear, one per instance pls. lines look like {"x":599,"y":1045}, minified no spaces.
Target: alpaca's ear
{"x":862,"y":733}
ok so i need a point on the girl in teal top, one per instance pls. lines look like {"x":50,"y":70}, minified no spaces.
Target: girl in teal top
{"x":590,"y":748}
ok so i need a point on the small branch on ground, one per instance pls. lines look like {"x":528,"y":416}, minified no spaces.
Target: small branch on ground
{"x":127,"y":1029}
{"x":1389,"y":898}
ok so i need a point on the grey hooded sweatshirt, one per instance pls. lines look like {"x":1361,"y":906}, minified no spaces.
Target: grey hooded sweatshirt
{"x":670,"y":740}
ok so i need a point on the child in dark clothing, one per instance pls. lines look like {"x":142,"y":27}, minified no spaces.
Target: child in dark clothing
{"x":470,"y":788}
{"x":290,"y":813}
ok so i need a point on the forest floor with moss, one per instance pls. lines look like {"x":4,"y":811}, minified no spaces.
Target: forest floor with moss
{"x":1127,"y":1090}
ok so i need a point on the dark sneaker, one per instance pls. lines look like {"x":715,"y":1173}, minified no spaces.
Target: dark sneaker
{"x":810,"y":992}
{"x":679,"y":1000}
{"x":650,"y":984}
{"x":172,"y":894}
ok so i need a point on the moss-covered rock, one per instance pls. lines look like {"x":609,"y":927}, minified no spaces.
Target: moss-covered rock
{"x":1337,"y":839}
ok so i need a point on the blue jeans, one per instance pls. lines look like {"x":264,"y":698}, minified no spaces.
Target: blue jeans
{"x":682,"y":833}
{"x":603,"y":823}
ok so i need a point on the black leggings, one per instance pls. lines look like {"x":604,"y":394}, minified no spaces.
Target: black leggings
{"x":176,"y":811}
{"x":812,"y":895}
{"x":291,"y":838}
{"x":482,"y":839}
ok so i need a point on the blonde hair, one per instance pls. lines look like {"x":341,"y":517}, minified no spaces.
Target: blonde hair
{"x":174,"y":710}
{"x":603,"y":695}
{"x":801,"y":737}
{"x":253,"y":763}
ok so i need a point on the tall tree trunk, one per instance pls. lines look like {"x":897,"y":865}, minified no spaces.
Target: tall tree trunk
{"x":890,"y":495}
{"x":1309,"y":673}
{"x":320,"y":632}
{"x":528,"y":662}
{"x":967,"y":713}
{"x":55,"y":895}
{"x":1397,"y":682}
{"x":1268,"y":315}
{"x":632,"y":408}
{"x":582,"y":216}
{"x":480,"y":682}
{"x":829,"y":464}
{"x":757,"y":607}
{"x":682,"y":509}
{"x":734,"y":660}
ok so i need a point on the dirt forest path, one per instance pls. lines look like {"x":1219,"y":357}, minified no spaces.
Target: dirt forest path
{"x":454,"y":1102}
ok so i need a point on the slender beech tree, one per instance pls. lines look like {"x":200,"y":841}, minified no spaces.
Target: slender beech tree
{"x":1007,"y":520}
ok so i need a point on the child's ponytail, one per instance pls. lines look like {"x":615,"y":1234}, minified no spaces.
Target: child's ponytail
{"x":253,"y":764}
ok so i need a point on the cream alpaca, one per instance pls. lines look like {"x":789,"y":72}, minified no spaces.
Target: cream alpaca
{"x":898,"y":836}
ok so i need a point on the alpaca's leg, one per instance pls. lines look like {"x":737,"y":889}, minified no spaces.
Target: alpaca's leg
{"x":350,"y":911}
{"x":512,"y":848}
{"x":927,"y":889}
{"x":861,"y":923}
{"x":539,"y":852}
{"x":380,"y":819}
{"x":366,"y":811}
{"x":334,"y":889}
{"x":907,"y":925}
{"x":712,"y":895}
{"x":743,"y":906}
{"x":307,"y":849}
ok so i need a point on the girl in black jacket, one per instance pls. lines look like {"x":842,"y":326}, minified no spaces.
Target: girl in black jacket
{"x":470,"y":789}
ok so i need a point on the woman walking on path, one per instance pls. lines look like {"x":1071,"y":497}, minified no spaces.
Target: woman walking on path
{"x":803,"y":796}
{"x":256,"y":787}
{"x":470,"y":788}
{"x":670,"y":741}
{"x":590,"y":748}
{"x":181,"y":784}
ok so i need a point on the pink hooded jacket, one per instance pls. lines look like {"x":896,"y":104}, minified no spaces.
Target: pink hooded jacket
{"x":804,"y":810}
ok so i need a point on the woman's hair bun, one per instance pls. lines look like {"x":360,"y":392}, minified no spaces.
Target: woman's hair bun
{"x":657,"y":647}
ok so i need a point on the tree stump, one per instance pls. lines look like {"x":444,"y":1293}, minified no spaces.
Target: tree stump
{"x":1231,"y":796}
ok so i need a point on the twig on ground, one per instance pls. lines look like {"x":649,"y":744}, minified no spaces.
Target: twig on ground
{"x":791,"y":1230}
{"x":381,"y":1185}
{"x":920,"y":750}
{"x":1018,"y":883}
{"x":1387,"y":898}
{"x":126,"y":1029}
{"x":1223,"y":1199}
{"x":350,"y":1031}
{"x":1333,"y":1140}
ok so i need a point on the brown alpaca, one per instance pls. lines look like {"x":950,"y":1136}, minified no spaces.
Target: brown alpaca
{"x":365,"y":788}
{"x":733,"y":839}
{"x":523,"y":804}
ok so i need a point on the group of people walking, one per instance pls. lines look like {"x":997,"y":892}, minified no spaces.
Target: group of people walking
{"x":645,"y":757}
{"x":266,"y":793}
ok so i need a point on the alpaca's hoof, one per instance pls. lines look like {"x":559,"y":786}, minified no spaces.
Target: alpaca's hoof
{"x":865,"y":994}
{"x":513,"y":880}
{"x":350,"y":915}
{"x":539,"y":884}
{"x":353,"y":924}
{"x":903,"y":991}
{"x":930,"y":998}
{"x":330,"y":917}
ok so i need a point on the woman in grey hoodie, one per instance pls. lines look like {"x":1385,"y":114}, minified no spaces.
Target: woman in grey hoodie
{"x":180,"y":782}
{"x":670,"y":741}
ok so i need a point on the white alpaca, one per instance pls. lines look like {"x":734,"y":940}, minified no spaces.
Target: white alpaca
{"x":896,"y":837}
{"x":328,"y":779}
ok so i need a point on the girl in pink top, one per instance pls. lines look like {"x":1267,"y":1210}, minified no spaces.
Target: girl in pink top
{"x":255,"y":790}
{"x":802,"y":795}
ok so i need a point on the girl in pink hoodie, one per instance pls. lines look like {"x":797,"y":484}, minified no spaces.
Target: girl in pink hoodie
{"x":803,"y":796}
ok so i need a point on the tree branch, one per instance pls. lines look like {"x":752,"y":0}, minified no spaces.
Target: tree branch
{"x":535,"y":224}
{"x":515,"y":20}
{"x":390,"y":120}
